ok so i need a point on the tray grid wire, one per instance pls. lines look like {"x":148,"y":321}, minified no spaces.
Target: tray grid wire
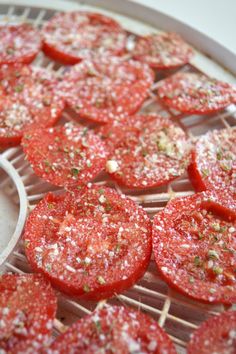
{"x":178,"y":315}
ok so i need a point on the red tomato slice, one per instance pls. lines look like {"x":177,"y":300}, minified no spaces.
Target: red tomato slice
{"x":148,"y":151}
{"x":93,"y":243}
{"x":106,"y":89}
{"x":65,"y":155}
{"x":27,"y":98}
{"x":194,"y":242}
{"x":72,"y":36}
{"x":213,"y":163}
{"x":114,"y":329}
{"x":162,"y":50}
{"x":27,"y":310}
{"x":19,"y":44}
{"x":193,"y":93}
{"x":216,"y":335}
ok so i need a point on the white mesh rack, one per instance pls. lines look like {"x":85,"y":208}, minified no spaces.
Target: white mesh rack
{"x":20,"y":189}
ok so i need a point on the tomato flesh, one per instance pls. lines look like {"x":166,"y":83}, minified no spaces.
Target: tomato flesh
{"x":114,"y":329}
{"x":193,"y":93}
{"x":92,"y":242}
{"x":148,"y":151}
{"x":213,"y":163}
{"x":194,"y":242}
{"x":216,"y":335}
{"x":65,"y":155}
{"x":74,"y":36}
{"x":107,"y":89}
{"x":28,"y":98}
{"x":19,"y":44}
{"x":162,"y":51}
{"x":27,"y":310}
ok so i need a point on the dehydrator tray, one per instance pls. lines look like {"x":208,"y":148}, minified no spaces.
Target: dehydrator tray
{"x":21,"y":190}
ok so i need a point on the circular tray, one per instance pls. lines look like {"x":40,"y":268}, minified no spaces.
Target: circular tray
{"x":21,"y":189}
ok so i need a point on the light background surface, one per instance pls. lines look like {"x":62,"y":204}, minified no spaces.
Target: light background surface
{"x":217,"y":18}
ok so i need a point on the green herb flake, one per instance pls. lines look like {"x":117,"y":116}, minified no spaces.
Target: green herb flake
{"x":27,"y":136}
{"x":216,"y":227}
{"x":101,"y":191}
{"x":217,"y":270}
{"x":197,"y":261}
{"x":200,"y":236}
{"x":213,"y":254}
{"x":74,"y":171}
{"x":219,"y":155}
{"x":205,"y":172}
{"x":86,"y":288}
{"x":191,"y":280}
{"x":101,"y":280}
{"x":47,"y":163}
{"x":19,"y":88}
{"x":98,"y":325}
{"x":117,"y":248}
{"x":108,"y":207}
{"x":27,"y":243}
{"x":10,"y":51}
{"x":50,"y":205}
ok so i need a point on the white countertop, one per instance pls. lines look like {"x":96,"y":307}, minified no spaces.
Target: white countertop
{"x":217,"y":18}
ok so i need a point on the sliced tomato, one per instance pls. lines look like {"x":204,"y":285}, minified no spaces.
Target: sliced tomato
{"x":27,"y":98}
{"x":93,"y":242}
{"x":19,"y":43}
{"x":213,"y":163}
{"x":162,"y":50}
{"x":72,"y":36}
{"x":193,"y":93}
{"x":27,"y":310}
{"x":114,"y":329}
{"x":148,"y":151}
{"x":65,"y":155}
{"x":107,"y":88}
{"x":194,"y":243}
{"x":216,"y":335}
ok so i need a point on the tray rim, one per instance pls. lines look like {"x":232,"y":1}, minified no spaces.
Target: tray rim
{"x":23,"y":206}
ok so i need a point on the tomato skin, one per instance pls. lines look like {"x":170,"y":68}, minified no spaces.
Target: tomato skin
{"x":75,"y":268}
{"x":27,"y":299}
{"x":217,"y":335}
{"x":194,"y":175}
{"x":89,"y":32}
{"x":183,"y":250}
{"x":21,"y":44}
{"x":114,"y":329}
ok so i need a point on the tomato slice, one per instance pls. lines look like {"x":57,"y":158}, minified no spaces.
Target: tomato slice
{"x":114,"y":329}
{"x":193,"y":93}
{"x":162,"y":50}
{"x":19,"y":43}
{"x":65,"y":155}
{"x":27,"y":310}
{"x":72,"y":36}
{"x":194,"y":245}
{"x":148,"y":151}
{"x":93,"y":242}
{"x":216,"y":335}
{"x":213,"y":163}
{"x":27,"y":98}
{"x":107,"y":88}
